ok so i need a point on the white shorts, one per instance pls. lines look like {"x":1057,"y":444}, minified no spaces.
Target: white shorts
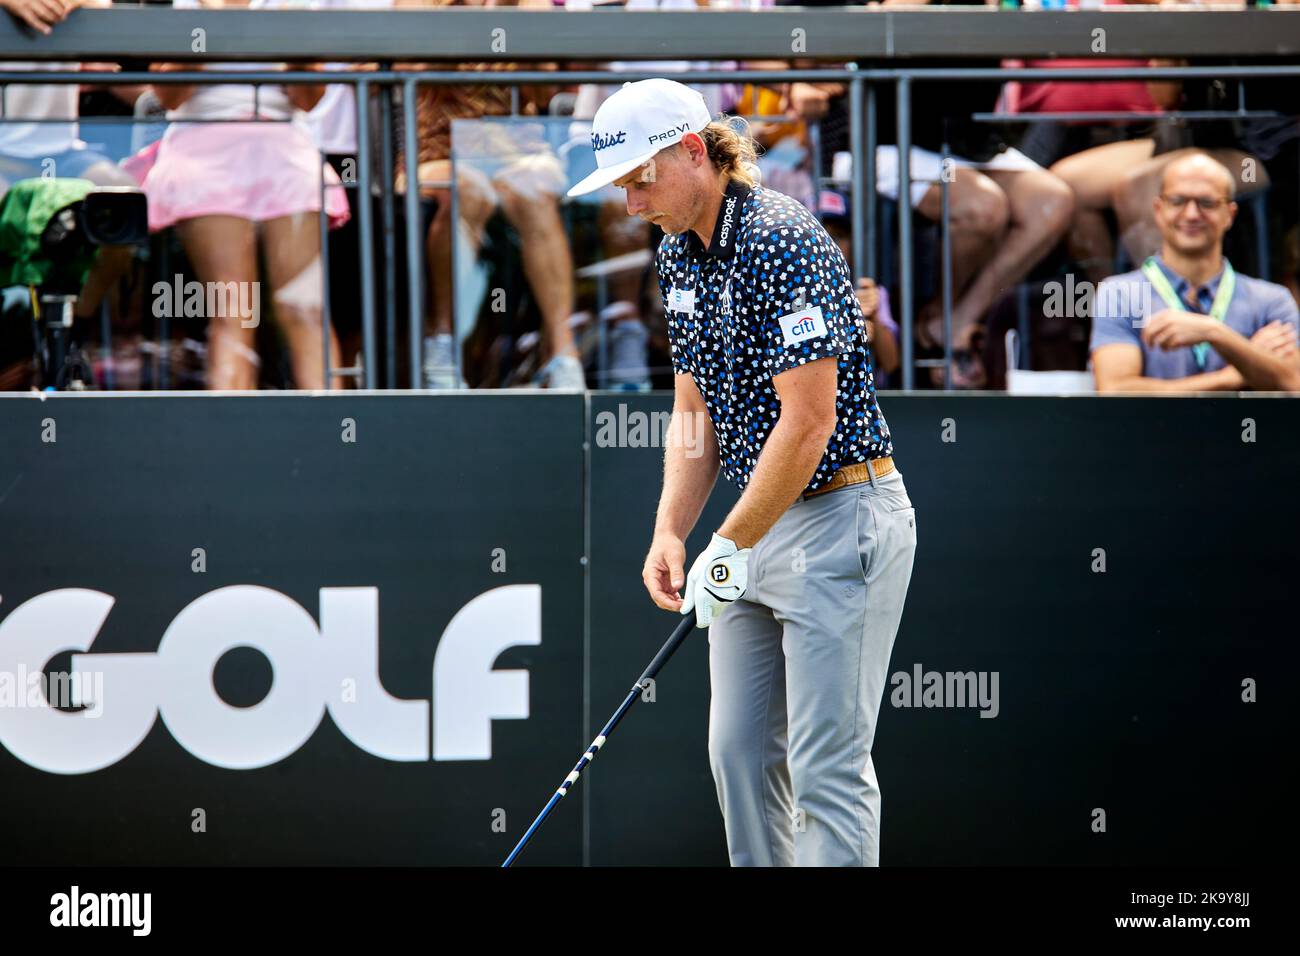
{"x":926,"y":168}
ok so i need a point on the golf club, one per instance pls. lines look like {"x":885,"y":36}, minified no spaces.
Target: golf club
{"x":684,"y":628}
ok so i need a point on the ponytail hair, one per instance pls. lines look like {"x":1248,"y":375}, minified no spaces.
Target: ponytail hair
{"x":732,"y":149}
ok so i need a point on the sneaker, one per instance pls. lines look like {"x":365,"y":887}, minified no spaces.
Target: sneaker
{"x":563,"y":372}
{"x":440,"y":362}
{"x":628,"y":366}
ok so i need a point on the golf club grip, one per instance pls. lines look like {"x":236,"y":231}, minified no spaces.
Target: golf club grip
{"x":684,"y":628}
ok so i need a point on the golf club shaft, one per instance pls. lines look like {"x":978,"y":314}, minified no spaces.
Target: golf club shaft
{"x":684,"y":628}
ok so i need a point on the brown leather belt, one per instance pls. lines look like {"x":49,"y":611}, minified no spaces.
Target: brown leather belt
{"x":855,"y":474}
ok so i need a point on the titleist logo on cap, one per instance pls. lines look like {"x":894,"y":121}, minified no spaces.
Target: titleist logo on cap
{"x":636,"y":122}
{"x":726,"y":221}
{"x":599,"y":142}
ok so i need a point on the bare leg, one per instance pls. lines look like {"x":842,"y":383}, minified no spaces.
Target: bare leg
{"x":1093,"y":175}
{"x":979,"y":213}
{"x":1041,"y":207}
{"x":224,"y":249}
{"x":291,"y":246}
{"x":476,"y":204}
{"x":548,"y":262}
{"x":619,"y":235}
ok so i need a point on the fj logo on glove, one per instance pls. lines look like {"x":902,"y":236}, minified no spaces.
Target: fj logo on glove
{"x":717,"y":577}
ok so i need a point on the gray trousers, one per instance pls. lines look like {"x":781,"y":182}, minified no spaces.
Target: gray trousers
{"x":798,"y":669}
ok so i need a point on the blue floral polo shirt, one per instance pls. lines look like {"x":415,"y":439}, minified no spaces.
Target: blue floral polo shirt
{"x":771,"y":292}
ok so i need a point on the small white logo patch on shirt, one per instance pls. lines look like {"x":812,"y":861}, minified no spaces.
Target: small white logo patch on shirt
{"x":799,"y":327}
{"x":681,"y":300}
{"x":724,"y":300}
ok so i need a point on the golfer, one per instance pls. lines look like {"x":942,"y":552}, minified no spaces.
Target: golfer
{"x":802,"y":586}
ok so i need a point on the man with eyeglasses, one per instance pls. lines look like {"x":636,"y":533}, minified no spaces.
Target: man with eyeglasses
{"x":1186,"y":321}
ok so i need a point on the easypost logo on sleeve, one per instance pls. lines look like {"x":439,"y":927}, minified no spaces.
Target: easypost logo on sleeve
{"x":802,"y":326}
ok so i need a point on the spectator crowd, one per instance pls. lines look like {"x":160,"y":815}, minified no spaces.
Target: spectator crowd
{"x":1172,"y":224}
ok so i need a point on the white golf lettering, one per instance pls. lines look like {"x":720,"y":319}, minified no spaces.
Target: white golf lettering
{"x":241,"y":738}
{"x":309,"y":664}
{"x":376,"y":721}
{"x":72,"y":742}
{"x":467,"y":693}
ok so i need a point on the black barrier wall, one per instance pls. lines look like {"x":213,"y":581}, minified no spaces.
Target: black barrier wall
{"x":1120,"y":566}
{"x":433,"y":504}
{"x":1114,"y":575}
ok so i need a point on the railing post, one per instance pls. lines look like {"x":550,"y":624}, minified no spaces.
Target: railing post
{"x":325,"y":317}
{"x":454,"y":193}
{"x":390,"y":257}
{"x":904,"y":101}
{"x":945,"y":231}
{"x":869,"y":174}
{"x":366,"y":231}
{"x":858,"y":190}
{"x":414,"y":261}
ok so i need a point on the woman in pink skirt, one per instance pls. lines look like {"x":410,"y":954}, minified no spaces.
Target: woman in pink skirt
{"x":225,"y":186}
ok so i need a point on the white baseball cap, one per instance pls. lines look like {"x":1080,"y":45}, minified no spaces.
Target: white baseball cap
{"x":638,"y":121}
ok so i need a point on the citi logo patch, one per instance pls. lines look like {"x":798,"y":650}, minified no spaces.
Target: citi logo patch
{"x":599,"y":142}
{"x":802,"y":326}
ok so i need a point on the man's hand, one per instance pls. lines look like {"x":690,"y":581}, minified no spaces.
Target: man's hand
{"x":1229,"y":379}
{"x":1278,"y":338}
{"x":40,"y":15}
{"x":719,"y":576}
{"x":1174,"y":329}
{"x":662,"y":573}
{"x":808,"y":101}
{"x":868,"y":297}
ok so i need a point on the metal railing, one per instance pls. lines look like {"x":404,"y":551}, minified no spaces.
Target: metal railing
{"x":878,"y":34}
{"x":862,"y":91}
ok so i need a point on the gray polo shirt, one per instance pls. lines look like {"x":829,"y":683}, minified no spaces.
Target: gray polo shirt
{"x":1124,"y":302}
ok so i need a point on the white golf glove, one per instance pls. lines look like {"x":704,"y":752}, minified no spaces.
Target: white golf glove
{"x":719,"y":576}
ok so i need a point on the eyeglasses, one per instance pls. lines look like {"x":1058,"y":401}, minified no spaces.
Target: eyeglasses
{"x":1203,"y":203}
